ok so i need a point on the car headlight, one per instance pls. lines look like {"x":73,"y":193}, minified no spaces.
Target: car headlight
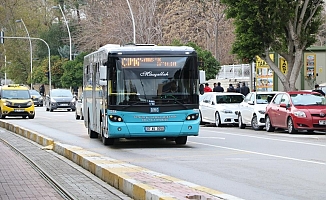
{"x":8,"y":103}
{"x":299,"y":114}
{"x":30,"y":103}
{"x":226,"y":111}
{"x":261,"y":112}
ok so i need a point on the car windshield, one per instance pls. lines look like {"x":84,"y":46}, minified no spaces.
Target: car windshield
{"x":61,"y":93}
{"x":229,"y":99}
{"x":308,"y":99}
{"x":264,"y":98}
{"x":15,"y":94}
{"x":34,"y":92}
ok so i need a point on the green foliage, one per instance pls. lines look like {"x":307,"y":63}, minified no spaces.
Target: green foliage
{"x":73,"y":72}
{"x":207,"y":61}
{"x":265,"y":24}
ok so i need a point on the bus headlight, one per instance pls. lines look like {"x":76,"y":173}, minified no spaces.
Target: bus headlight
{"x":192,"y":116}
{"x":115,"y":118}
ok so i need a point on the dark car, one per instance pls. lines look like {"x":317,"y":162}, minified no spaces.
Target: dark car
{"x":37,"y":98}
{"x":60,"y":99}
{"x":296,"y":110}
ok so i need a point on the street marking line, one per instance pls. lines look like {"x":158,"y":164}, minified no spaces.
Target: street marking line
{"x":290,"y":141}
{"x":220,"y":138}
{"x":263,"y":154}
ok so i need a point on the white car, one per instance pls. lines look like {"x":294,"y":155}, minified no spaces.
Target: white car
{"x":220,"y":107}
{"x":79,"y":108}
{"x":252,"y":109}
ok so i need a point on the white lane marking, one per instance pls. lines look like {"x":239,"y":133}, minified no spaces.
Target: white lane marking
{"x":220,"y":138}
{"x":263,"y":154}
{"x":290,"y":141}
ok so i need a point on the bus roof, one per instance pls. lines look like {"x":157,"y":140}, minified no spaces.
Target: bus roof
{"x":132,"y":49}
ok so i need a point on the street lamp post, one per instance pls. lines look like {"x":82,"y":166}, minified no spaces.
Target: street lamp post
{"x":64,"y":18}
{"x":30,"y":46}
{"x":133,"y":22}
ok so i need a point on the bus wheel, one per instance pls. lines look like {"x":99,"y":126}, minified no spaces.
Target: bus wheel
{"x":181,"y":140}
{"x":107,"y":141}
{"x":91,"y":133}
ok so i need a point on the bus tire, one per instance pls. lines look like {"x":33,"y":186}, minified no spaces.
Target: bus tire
{"x":181,"y":140}
{"x":91,"y":133}
{"x":107,"y":141}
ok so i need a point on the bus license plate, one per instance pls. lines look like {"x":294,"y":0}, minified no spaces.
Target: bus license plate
{"x":322,"y":122}
{"x":18,"y":110}
{"x":154,"y":128}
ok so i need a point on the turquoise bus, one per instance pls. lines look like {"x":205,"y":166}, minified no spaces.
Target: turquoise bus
{"x":141,"y":91}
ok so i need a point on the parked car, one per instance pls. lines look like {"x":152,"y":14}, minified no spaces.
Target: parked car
{"x":220,"y":107}
{"x":297,"y":110}
{"x":37,"y":98}
{"x":79,"y":108}
{"x":252,"y":110}
{"x":60,"y":99}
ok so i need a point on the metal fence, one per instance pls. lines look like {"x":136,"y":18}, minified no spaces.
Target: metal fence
{"x":241,"y":71}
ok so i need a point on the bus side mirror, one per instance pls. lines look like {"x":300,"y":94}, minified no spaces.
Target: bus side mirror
{"x":102,"y":72}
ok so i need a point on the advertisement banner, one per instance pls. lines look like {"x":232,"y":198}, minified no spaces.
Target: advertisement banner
{"x":264,"y":75}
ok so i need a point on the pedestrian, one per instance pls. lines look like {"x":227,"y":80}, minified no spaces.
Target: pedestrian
{"x":214,"y":85}
{"x":42,"y":90}
{"x":218,"y":88}
{"x":230,"y":88}
{"x":207,"y":88}
{"x":317,"y":89}
{"x":244,"y":89}
{"x":237,"y":89}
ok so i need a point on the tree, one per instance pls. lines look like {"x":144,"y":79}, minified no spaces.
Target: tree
{"x":73,"y":72}
{"x":208,"y":63}
{"x":284,"y":27}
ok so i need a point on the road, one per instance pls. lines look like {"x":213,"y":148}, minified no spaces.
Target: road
{"x":244,"y":163}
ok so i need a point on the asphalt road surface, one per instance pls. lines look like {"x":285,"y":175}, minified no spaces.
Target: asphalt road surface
{"x":244,"y":163}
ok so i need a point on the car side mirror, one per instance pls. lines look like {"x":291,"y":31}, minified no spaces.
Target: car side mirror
{"x":284,"y":105}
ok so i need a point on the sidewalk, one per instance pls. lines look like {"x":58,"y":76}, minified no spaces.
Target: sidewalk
{"x":19,"y":180}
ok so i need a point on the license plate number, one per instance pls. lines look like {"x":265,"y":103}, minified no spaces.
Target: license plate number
{"x":154,"y":128}
{"x":19,"y":110}
{"x":322,"y":122}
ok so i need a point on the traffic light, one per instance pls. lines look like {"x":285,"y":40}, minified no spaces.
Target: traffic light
{"x":2,"y":34}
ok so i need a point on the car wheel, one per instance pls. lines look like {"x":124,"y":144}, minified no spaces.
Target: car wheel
{"x":1,"y":115}
{"x":254,"y":123}
{"x":241,"y":124}
{"x":31,"y":116}
{"x":291,"y":128}
{"x":310,"y":131}
{"x":181,"y":140}
{"x":268,"y":124}
{"x":77,"y":116}
{"x":51,"y":110}
{"x":217,"y":120}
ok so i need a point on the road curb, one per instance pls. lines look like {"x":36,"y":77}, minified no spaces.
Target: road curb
{"x":130,"y":179}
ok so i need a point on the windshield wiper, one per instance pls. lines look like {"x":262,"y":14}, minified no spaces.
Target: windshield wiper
{"x":175,"y":100}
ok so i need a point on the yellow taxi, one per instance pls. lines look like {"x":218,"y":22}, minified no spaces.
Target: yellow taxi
{"x":15,"y":100}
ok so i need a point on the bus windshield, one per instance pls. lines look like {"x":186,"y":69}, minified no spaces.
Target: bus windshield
{"x":153,"y":81}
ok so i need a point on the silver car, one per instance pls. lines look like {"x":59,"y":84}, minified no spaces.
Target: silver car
{"x":60,"y":99}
